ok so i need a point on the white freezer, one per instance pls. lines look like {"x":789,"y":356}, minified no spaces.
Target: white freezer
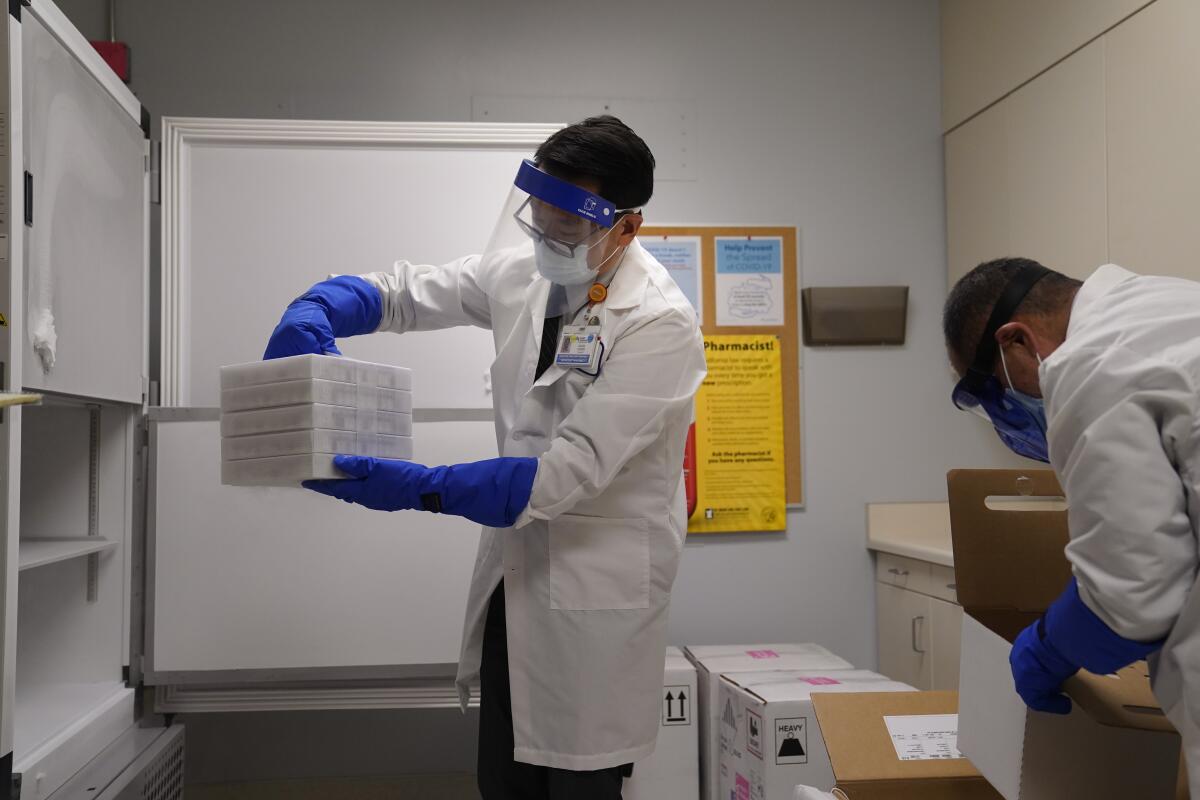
{"x":262,"y":598}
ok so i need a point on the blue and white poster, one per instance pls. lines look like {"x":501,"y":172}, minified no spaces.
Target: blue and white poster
{"x":749,"y":281}
{"x":681,"y":256}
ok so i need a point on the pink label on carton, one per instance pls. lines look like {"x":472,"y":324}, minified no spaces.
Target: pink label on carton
{"x":821,"y":681}
{"x":743,"y":787}
{"x":762,"y":654}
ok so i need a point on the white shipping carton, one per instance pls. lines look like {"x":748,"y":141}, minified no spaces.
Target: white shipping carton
{"x":1009,"y":566}
{"x":712,"y":661}
{"x":769,"y":738}
{"x":1028,"y":755}
{"x":672,"y":772}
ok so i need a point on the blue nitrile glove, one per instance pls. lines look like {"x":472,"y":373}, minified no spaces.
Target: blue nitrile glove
{"x":343,"y":306}
{"x":492,"y":492}
{"x":1069,"y":637}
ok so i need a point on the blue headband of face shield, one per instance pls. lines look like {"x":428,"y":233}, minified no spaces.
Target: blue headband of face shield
{"x":1021,"y":427}
{"x":565,"y":195}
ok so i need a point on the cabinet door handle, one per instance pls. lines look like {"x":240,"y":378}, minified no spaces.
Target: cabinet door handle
{"x":915,"y":623}
{"x":899,"y":573}
{"x":952,"y":587}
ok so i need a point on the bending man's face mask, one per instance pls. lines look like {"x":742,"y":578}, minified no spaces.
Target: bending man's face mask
{"x":1019,"y":420}
{"x":562,"y":227}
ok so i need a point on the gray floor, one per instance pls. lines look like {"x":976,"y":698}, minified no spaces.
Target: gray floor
{"x":434,"y":787}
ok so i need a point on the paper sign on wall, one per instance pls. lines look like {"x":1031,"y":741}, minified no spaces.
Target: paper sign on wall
{"x":749,"y":281}
{"x":739,"y":459}
{"x":681,"y":256}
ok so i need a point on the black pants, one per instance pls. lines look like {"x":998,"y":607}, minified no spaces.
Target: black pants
{"x":502,"y":778}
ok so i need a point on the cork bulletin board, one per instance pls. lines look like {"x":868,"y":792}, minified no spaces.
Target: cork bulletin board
{"x":780,"y":319}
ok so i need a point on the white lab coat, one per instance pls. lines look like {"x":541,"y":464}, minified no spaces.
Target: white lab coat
{"x":589,"y":565}
{"x":1123,"y":404}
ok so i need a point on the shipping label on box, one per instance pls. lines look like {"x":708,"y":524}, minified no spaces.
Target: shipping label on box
{"x":711,"y":661}
{"x":895,"y":746}
{"x":769,"y":739}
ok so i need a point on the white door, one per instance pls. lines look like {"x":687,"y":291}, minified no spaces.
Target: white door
{"x":946,"y":632}
{"x":903,"y":620}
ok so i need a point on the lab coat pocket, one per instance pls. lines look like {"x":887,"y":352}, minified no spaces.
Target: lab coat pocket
{"x":599,"y":563}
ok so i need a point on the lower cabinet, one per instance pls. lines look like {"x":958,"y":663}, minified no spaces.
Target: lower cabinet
{"x":946,"y":628}
{"x":904,"y":635}
{"x":918,"y":637}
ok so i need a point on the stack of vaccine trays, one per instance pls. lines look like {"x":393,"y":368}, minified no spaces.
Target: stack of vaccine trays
{"x":283,"y":421}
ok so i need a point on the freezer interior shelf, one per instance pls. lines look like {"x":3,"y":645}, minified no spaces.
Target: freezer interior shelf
{"x":57,"y":710}
{"x":40,"y":552}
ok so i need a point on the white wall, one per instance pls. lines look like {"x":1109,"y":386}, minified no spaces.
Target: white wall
{"x":820,"y":113}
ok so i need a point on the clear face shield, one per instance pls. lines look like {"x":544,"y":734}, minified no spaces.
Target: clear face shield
{"x":561,"y":227}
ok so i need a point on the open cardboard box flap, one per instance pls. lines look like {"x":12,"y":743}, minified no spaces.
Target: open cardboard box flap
{"x":1009,"y":538}
{"x":864,"y":758}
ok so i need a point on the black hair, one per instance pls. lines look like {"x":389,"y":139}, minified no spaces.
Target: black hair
{"x":971,"y":301}
{"x":605,"y":150}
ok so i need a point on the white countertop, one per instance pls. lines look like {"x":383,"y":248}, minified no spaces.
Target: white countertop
{"x":914,"y":530}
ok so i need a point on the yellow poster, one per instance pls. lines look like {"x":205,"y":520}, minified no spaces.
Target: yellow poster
{"x":737,"y":469}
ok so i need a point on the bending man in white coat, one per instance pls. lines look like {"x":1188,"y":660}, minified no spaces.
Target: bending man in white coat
{"x":598,"y":358}
{"x":1102,"y":380}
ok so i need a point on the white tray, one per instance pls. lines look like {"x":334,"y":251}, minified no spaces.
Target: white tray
{"x":349,"y":443}
{"x":315,"y":415}
{"x":279,"y":471}
{"x":330,"y":368}
{"x":316,"y":390}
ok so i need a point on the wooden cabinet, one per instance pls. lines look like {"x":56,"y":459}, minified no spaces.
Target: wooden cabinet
{"x":918,"y":623}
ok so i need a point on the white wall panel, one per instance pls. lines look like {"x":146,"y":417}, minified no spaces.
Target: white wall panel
{"x":1153,"y":123}
{"x":1026,"y":177}
{"x":990,"y":47}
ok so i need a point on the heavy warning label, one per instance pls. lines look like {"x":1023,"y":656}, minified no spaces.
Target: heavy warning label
{"x":791,"y":740}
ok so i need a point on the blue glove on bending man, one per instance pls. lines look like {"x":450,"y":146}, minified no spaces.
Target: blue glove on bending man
{"x":492,"y":492}
{"x":1069,"y":637}
{"x":343,"y":306}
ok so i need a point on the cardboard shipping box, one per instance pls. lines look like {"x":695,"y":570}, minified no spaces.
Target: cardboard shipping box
{"x":712,"y":661}
{"x":673,"y":771}
{"x":769,"y":740}
{"x":1009,"y":566}
{"x":897,"y":746}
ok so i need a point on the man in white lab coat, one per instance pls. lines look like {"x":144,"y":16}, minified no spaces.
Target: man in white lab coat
{"x":598,"y":358}
{"x":1114,"y":362}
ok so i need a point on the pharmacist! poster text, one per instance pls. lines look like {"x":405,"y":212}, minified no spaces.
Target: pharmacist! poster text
{"x":738,"y":469}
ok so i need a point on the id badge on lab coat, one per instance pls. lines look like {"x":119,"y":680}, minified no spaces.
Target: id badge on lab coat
{"x":579,"y":347}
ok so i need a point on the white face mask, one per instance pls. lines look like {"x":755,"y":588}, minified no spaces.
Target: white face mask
{"x":568,"y":270}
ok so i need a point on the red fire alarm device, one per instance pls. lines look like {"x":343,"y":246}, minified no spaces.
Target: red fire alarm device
{"x":117,"y":56}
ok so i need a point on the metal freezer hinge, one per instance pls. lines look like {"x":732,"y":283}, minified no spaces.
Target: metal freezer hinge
{"x":155,"y":166}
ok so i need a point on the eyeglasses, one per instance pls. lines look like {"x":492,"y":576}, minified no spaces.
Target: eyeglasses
{"x":559,"y":246}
